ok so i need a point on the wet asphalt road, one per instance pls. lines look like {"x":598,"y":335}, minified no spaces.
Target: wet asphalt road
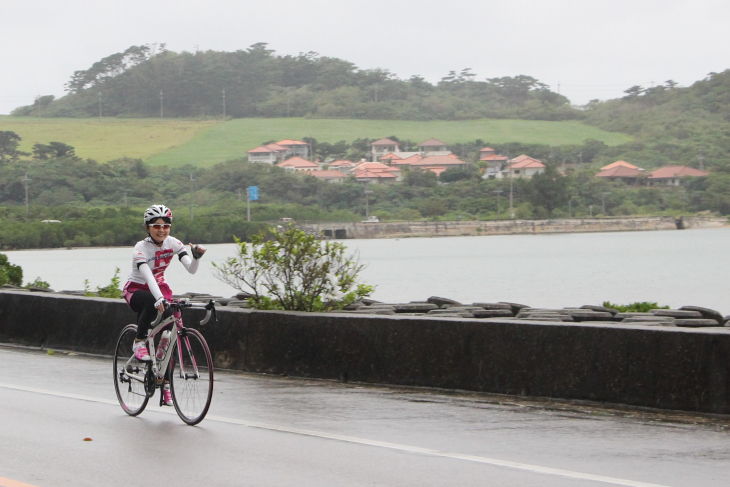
{"x":271,"y":431}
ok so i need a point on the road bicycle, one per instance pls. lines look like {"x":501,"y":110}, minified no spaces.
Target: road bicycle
{"x":187,"y":359}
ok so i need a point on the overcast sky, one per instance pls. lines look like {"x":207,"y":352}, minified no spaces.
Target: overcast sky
{"x":590,"y":49}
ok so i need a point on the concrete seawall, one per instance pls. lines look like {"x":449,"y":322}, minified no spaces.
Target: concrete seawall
{"x":669,"y":368}
{"x":507,"y":227}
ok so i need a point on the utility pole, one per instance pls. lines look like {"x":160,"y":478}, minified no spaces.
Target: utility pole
{"x":248,"y":204}
{"x":603,"y":201}
{"x":100,"y":105}
{"x":224,"y":103}
{"x":125,"y":199}
{"x":192,"y":188}
{"x":25,"y":182}
{"x":498,"y":192}
{"x":701,"y":160}
{"x":38,"y":103}
{"x":511,"y":190}
{"x":367,"y":201}
{"x":162,"y":111}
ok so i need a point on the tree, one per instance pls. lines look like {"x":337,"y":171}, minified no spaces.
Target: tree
{"x":516,"y":89}
{"x":633,"y":92}
{"x":418,"y":177}
{"x":9,"y":142}
{"x":54,"y":150}
{"x":452,"y":175}
{"x":291,"y":270}
{"x":9,"y":273}
{"x":548,"y":189}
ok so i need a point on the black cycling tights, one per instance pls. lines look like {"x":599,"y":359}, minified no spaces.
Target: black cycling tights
{"x":143,"y":303}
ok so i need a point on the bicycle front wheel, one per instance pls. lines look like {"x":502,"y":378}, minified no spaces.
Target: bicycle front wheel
{"x":191,"y":378}
{"x":129,"y":374}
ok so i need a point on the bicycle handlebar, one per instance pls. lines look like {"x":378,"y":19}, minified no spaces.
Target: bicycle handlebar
{"x":183,"y":303}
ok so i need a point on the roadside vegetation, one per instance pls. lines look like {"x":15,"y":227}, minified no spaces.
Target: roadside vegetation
{"x":637,"y":307}
{"x":288,"y":269}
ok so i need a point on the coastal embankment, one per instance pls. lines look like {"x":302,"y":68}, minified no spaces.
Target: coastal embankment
{"x":364,"y":230}
{"x":646,"y":361}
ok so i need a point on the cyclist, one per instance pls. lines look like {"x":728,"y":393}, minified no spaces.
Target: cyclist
{"x":146,"y":291}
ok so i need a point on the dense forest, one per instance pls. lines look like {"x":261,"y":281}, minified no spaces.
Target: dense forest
{"x":149,"y":81}
{"x":671,"y":125}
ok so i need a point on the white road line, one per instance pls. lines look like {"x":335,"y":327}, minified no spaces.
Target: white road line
{"x":362,"y":441}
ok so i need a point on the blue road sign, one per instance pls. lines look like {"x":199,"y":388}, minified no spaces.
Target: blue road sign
{"x":253,"y":193}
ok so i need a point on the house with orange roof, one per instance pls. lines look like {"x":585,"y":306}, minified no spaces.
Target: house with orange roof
{"x":487,"y":151}
{"x":371,"y":166}
{"x":298,"y":164}
{"x":433,"y":147}
{"x":494,"y":165}
{"x":277,"y":152}
{"x":376,"y":177}
{"x":672,"y":175}
{"x":407,"y":161}
{"x":524,"y":166}
{"x":267,"y":154}
{"x":330,"y":175}
{"x":296,"y":148}
{"x":342,"y":165}
{"x":620,"y":163}
{"x":389,"y":157}
{"x":440,"y":161}
{"x":377,"y":167}
{"x":629,"y":175}
{"x":381,"y":147}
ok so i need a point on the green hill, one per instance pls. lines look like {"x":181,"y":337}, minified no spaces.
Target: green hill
{"x":106,"y":139}
{"x":175,"y":142}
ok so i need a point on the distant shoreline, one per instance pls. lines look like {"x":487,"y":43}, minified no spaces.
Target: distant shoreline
{"x":344,"y":230}
{"x":476,"y":228}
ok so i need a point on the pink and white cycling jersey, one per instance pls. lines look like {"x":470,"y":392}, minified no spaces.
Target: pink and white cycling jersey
{"x":158,"y":258}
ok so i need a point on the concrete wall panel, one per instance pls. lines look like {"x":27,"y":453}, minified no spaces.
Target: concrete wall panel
{"x":669,"y":368}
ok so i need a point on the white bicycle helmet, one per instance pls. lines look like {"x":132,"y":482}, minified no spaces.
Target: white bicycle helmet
{"x":157,"y":211}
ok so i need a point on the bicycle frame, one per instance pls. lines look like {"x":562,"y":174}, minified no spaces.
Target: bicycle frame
{"x":177,"y":332}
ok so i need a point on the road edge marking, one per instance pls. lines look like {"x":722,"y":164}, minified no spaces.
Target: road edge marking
{"x":13,"y":483}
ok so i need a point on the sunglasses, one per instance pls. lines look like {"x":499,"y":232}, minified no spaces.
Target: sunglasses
{"x":159,"y":226}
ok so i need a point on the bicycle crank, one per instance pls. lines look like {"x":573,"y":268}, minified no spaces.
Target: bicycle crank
{"x":150,"y":383}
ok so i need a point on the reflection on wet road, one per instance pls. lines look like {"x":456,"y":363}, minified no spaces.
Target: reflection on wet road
{"x":282,"y":431}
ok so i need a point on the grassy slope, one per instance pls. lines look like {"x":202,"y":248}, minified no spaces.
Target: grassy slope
{"x":178,"y":141}
{"x":105,"y":139}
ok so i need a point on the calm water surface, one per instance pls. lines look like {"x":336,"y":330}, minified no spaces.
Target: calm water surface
{"x":669,"y":267}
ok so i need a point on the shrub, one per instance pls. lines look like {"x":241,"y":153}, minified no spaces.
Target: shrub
{"x":289,"y":269}
{"x":9,"y":273}
{"x":637,"y":307}
{"x":38,"y":283}
{"x":111,"y":290}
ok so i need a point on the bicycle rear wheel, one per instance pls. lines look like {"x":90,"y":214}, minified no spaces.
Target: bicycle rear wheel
{"x":129,"y":374}
{"x":192,"y":379}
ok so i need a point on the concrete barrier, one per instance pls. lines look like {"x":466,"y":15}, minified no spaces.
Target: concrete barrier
{"x":344,"y":230}
{"x":668,"y":368}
